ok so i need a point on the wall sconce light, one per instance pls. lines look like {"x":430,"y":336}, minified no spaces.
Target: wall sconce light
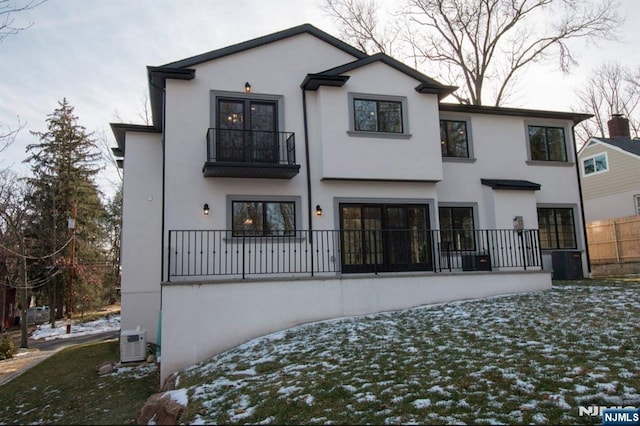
{"x":247,"y":87}
{"x":318,"y":210}
{"x":205,"y":209}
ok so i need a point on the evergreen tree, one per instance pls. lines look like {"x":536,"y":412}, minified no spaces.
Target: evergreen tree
{"x":64,"y":164}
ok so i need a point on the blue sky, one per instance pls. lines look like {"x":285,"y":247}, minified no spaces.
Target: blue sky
{"x":95,"y":53}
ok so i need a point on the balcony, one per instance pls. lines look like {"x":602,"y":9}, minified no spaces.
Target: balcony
{"x":250,"y":154}
{"x":210,"y":254}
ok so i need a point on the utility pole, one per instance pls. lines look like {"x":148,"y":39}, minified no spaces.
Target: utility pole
{"x":72,"y":266}
{"x":24,"y":340}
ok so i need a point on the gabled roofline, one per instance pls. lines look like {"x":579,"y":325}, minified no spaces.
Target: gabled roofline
{"x":516,"y":112}
{"x":270,"y":38}
{"x":157,"y":81}
{"x":427,"y":84}
{"x":607,"y":143}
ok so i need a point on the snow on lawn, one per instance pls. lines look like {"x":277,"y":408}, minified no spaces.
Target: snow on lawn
{"x":45,"y":332}
{"x":531,"y":358}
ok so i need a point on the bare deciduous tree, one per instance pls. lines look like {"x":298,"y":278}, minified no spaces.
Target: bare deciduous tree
{"x":8,"y":10}
{"x":478,"y":45}
{"x":612,"y":89}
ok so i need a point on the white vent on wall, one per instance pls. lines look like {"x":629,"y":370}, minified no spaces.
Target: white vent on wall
{"x":133,"y":345}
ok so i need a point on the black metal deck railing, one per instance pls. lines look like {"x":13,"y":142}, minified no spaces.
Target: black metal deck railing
{"x":225,"y":253}
{"x":250,"y":146}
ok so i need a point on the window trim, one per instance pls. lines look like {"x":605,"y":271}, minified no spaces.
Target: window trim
{"x":404,"y":111}
{"x":229,"y":95}
{"x":592,"y":157}
{"x":636,"y":200}
{"x":297,"y":203}
{"x":574,"y":211}
{"x":568,"y":152}
{"x":474,"y":217}
{"x":470,"y":151}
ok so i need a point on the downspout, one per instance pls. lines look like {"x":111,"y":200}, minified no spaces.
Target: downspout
{"x":584,"y":223}
{"x":306,"y":154}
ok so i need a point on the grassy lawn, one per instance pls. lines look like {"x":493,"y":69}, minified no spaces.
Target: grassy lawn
{"x":525,"y":359}
{"x":66,"y":389}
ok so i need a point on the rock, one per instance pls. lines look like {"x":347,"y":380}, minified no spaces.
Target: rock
{"x":105,"y":369}
{"x":170,"y":383}
{"x":160,"y":409}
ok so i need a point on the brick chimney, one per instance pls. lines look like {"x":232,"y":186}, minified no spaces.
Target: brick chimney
{"x":618,"y":126}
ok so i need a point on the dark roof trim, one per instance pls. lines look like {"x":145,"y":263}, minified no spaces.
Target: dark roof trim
{"x":427,"y":84}
{"x":119,"y":131}
{"x":516,"y":184}
{"x":516,"y":112}
{"x":157,"y":80}
{"x":314,"y":81}
{"x":626,"y":144}
{"x":270,"y":38}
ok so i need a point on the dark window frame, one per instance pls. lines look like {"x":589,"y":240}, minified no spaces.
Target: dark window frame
{"x":548,"y":141}
{"x":264,"y":216}
{"x":454,"y":238}
{"x":445,"y":142}
{"x":552,"y":230}
{"x":377,"y":115}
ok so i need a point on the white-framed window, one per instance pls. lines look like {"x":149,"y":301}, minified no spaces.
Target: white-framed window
{"x":378,"y":116}
{"x":595,"y":164}
{"x":636,"y":199}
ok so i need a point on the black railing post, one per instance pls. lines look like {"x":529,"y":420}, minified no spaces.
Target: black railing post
{"x":243,"y":253}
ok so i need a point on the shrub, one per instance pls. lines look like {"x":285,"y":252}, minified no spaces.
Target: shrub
{"x":7,"y":347}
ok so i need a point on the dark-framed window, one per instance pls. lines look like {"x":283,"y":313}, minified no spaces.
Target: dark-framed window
{"x":596,"y":164}
{"x":372,"y":115}
{"x":454,"y":139}
{"x":263,"y":218}
{"x":457,"y":228}
{"x":547,"y":143}
{"x":557,"y":228}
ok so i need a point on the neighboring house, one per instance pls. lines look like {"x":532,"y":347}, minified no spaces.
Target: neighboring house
{"x":292,"y":178}
{"x":610,"y":173}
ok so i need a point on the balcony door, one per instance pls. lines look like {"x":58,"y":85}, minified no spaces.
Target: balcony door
{"x":385,"y":238}
{"x":247,"y":131}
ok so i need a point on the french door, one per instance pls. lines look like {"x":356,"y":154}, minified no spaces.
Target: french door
{"x":247,"y":131}
{"x":385,"y":238}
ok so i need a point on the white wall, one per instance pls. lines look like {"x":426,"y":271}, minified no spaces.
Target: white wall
{"x":142,"y":232}
{"x":224,"y":315}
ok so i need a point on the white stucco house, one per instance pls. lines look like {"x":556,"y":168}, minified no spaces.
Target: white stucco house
{"x":292,"y":178}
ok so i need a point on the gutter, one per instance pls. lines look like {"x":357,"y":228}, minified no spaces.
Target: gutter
{"x":306,"y":154}
{"x":584,"y":223}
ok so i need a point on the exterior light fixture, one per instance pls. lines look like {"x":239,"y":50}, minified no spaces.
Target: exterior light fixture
{"x":247,"y":87}
{"x":318,"y":210}
{"x":205,"y":209}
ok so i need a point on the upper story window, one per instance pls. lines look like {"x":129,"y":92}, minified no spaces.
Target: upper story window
{"x":547,"y":143}
{"x":596,"y":164}
{"x":263,"y":218}
{"x":636,"y":198}
{"x":378,"y":116}
{"x":454,"y":139}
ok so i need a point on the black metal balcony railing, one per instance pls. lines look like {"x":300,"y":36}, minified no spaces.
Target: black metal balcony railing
{"x":210,"y":253}
{"x":250,"y":154}
{"x":250,"y":146}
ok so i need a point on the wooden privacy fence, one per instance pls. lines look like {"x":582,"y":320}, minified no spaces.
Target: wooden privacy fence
{"x":614,"y":240}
